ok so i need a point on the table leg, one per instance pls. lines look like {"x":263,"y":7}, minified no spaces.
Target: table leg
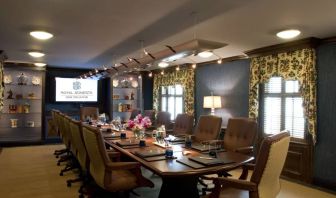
{"x":179,"y":187}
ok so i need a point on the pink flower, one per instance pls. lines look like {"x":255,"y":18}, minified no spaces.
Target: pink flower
{"x":139,"y":122}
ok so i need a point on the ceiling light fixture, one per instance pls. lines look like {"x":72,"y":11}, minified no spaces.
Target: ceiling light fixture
{"x":205,"y":54}
{"x":41,"y":35}
{"x":36,"y":54}
{"x":219,"y":61}
{"x":40,"y":64}
{"x":193,"y":66}
{"x":162,"y":72}
{"x":288,"y":34}
{"x":163,"y":64}
{"x":178,"y":68}
{"x":150,"y":74}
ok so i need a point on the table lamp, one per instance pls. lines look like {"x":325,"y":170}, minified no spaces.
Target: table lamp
{"x":212,"y":102}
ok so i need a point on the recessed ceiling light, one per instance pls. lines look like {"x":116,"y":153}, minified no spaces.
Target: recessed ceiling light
{"x":205,"y":54}
{"x":36,"y":54}
{"x":163,"y":64}
{"x":41,"y":35}
{"x":40,"y":64}
{"x":288,"y":34}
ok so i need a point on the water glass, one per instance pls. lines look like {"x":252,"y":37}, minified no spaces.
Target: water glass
{"x":188,"y":141}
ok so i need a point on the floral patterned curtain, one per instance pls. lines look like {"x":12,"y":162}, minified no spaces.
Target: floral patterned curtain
{"x":184,"y":77}
{"x":295,"y":65}
{"x":2,"y":85}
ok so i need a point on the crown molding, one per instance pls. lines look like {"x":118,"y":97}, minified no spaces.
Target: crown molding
{"x":310,"y":42}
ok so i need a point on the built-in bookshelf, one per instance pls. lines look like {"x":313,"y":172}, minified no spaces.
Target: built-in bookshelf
{"x":21,"y":116}
{"x":126,"y":92}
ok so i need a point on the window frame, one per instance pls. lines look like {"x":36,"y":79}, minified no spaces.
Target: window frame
{"x":283,"y":95}
{"x":167,"y":95}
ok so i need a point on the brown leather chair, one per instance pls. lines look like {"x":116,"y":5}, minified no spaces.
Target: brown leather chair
{"x":134,"y":113}
{"x":150,"y":114}
{"x":109,"y":175}
{"x":184,"y":124}
{"x":239,"y":137}
{"x":265,"y":178}
{"x":92,"y":112}
{"x":163,"y":118}
{"x":207,"y":128}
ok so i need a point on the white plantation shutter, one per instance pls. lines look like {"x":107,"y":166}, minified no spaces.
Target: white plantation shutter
{"x":294,"y":120}
{"x":282,"y":109}
{"x":172,"y":100}
{"x":272,"y":117}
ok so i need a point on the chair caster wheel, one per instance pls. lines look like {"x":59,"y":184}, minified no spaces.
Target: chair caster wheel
{"x":61,"y":174}
{"x":68,"y":184}
{"x":57,"y":156}
{"x":58,"y":163}
{"x":81,"y":196}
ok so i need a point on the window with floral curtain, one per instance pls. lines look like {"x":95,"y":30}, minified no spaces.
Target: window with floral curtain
{"x":185,"y":78}
{"x":297,"y":65}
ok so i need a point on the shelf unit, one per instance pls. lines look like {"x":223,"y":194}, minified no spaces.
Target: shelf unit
{"x":125,"y":97}
{"x":24,"y":107}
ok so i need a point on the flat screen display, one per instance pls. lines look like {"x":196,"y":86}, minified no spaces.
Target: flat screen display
{"x":76,"y":90}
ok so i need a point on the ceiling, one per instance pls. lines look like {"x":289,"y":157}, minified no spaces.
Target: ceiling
{"x":89,"y":34}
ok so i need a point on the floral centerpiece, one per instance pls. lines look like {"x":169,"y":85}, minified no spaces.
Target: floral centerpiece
{"x":139,"y":124}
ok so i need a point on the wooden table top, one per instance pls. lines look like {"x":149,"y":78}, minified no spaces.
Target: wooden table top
{"x":171,"y":167}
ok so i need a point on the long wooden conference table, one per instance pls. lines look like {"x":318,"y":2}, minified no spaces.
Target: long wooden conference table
{"x":179,"y":174}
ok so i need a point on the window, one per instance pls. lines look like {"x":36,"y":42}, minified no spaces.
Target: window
{"x":282,"y":107}
{"x":172,"y":100}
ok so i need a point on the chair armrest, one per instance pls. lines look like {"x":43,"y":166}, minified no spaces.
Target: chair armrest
{"x":122,"y":165}
{"x":214,"y":142}
{"x":113,"y":155}
{"x":235,"y":183}
{"x":245,"y":150}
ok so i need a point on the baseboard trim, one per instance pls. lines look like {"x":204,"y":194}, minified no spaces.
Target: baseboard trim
{"x":318,"y":186}
{"x":325,"y":184}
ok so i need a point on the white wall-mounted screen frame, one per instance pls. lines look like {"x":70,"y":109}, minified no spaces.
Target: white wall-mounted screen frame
{"x":76,"y":90}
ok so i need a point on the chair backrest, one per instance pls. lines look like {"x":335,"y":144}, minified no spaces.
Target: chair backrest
{"x":183,"y":124}
{"x":269,"y":164}
{"x":150,"y":114}
{"x":163,"y":118}
{"x":54,"y":119}
{"x":63,"y":129}
{"x":92,"y":112}
{"x":240,"y":132}
{"x":207,"y":128}
{"x":134,"y":113}
{"x":95,"y":147}
{"x":66,"y":124}
{"x":78,"y":142}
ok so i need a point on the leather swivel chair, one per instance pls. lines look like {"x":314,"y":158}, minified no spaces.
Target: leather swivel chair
{"x":265,"y":179}
{"x":239,"y":137}
{"x":109,"y":175}
{"x":207,"y":128}
{"x":163,"y":118}
{"x":134,"y":113}
{"x":91,"y":112}
{"x":183,"y":125}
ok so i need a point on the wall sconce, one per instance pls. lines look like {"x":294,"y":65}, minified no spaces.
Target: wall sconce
{"x":212,"y":102}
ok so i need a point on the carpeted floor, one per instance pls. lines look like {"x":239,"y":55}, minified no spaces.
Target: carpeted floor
{"x":32,"y":172}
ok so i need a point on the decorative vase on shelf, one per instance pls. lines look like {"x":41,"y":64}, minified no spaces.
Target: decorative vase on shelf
{"x":22,"y":79}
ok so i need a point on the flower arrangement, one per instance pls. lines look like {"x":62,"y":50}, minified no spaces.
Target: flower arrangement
{"x":138,"y":124}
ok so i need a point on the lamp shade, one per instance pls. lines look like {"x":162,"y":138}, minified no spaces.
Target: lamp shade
{"x":212,"y":102}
